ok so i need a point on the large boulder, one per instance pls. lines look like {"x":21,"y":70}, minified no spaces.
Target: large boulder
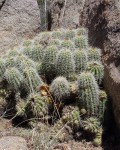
{"x":102,"y":18}
{"x":65,"y":13}
{"x":18,"y":19}
{"x":13,"y":143}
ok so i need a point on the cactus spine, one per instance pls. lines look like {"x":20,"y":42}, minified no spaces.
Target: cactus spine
{"x":88,"y":93}
{"x":80,"y":58}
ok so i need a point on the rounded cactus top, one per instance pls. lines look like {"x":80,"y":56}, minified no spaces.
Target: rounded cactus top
{"x":60,"y":88}
{"x":94,"y":54}
{"x":82,"y":31}
{"x":86,"y":80}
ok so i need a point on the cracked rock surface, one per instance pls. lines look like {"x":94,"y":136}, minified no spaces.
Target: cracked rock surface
{"x":18,"y":19}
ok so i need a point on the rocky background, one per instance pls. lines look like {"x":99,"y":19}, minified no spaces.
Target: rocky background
{"x":20,"y":19}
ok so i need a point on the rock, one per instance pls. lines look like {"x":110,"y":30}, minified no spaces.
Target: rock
{"x":102,"y":18}
{"x":65,"y":13}
{"x":18,"y":19}
{"x":13,"y":143}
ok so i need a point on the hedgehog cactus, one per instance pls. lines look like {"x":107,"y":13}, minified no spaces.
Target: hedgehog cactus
{"x":102,"y":105}
{"x":37,"y":52}
{"x":57,"y":35}
{"x":27,"y":43}
{"x":31,"y":78}
{"x":82,"y":32}
{"x":55,"y":42}
{"x":98,"y":138}
{"x":80,"y":58}
{"x":94,"y":54}
{"x":97,"y":70}
{"x":10,"y":62}
{"x":70,"y":34}
{"x":91,"y":125}
{"x":88,"y":93}
{"x":60,"y":88}
{"x":36,"y":106}
{"x":65,"y":64}
{"x":2,"y":67}
{"x":81,"y":42}
{"x":48,"y":64}
{"x":72,"y":118}
{"x":68,"y":45}
{"x":14,"y":78}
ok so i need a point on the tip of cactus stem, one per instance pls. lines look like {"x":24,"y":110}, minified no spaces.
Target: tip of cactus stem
{"x":82,"y":31}
{"x":60,"y":88}
{"x":83,"y":111}
{"x":27,"y":43}
{"x":97,"y":142}
{"x":102,"y":95}
{"x":94,"y":54}
{"x":81,"y":42}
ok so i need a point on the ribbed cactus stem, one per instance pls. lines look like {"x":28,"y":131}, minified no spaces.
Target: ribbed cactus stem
{"x":14,"y":78}
{"x":88,"y":93}
{"x":68,"y":45}
{"x":60,"y":88}
{"x":81,"y":42}
{"x":70,"y":34}
{"x":2,"y":67}
{"x":65,"y":64}
{"x":102,"y":105}
{"x":36,"y":106}
{"x":97,"y":70}
{"x":48,"y":64}
{"x":32,"y":78}
{"x":94,"y":54}
{"x":80,"y":58}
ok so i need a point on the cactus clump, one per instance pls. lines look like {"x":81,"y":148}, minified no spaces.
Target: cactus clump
{"x":88,"y":93}
{"x":94,"y":54}
{"x":91,"y":125}
{"x":48,"y":64}
{"x":98,"y":138}
{"x":70,"y":34}
{"x":27,"y":52}
{"x":102,"y":104}
{"x":36,"y":106}
{"x":2,"y":67}
{"x":81,"y":42}
{"x":72,"y":118}
{"x":80,"y":58}
{"x":60,"y":88}
{"x":31,"y":78}
{"x":97,"y":70}
{"x":68,"y":45}
{"x":82,"y":32}
{"x":14,"y":78}
{"x":65,"y":64}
